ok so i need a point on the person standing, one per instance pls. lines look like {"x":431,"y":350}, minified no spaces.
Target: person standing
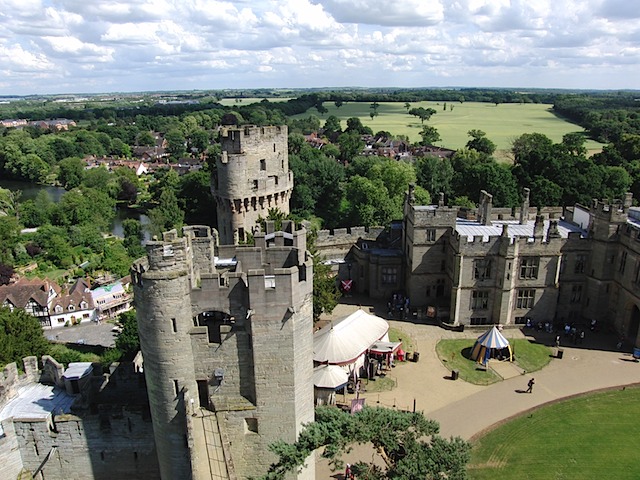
{"x":347,"y":472}
{"x":530,"y":385}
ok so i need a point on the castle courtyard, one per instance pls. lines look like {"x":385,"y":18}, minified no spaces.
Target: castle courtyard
{"x":466,"y":410}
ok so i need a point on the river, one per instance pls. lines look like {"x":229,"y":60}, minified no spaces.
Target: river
{"x":30,"y":191}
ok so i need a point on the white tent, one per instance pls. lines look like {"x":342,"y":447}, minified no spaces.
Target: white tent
{"x":329,"y":376}
{"x":344,"y":342}
{"x":489,"y":340}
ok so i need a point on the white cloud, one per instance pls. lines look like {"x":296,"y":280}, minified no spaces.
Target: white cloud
{"x":92,"y":45}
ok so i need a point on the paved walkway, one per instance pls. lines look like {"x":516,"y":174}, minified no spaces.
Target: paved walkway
{"x":466,"y":410}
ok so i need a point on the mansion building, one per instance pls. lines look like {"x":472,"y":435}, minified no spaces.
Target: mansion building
{"x":507,"y":266}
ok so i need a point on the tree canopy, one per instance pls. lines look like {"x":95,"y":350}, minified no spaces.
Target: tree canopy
{"x":407,"y":443}
{"x":20,"y":336}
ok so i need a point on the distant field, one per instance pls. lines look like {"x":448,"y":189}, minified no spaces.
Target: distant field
{"x":587,"y":438}
{"x":502,"y":123}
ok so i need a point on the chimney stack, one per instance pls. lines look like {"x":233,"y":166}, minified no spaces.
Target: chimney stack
{"x":524,"y":209}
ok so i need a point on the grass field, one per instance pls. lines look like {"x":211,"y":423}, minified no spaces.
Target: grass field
{"x":454,"y":354}
{"x":588,"y":438}
{"x":502,"y":123}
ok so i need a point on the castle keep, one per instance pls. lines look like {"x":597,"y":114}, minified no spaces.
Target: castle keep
{"x":252,"y":176}
{"x":226,"y":334}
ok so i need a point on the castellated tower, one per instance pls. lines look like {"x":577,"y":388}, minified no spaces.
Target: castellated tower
{"x":252,"y":176}
{"x":227,"y":338}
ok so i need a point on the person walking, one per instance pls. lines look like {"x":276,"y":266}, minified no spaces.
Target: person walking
{"x":530,"y":385}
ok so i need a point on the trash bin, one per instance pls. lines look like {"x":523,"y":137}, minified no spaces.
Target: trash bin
{"x":560,"y":353}
{"x":416,"y":357}
{"x":455,"y":374}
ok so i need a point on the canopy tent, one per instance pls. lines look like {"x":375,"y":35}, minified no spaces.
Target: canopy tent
{"x":346,"y":341}
{"x":330,"y":376}
{"x":490,"y":340}
{"x":385,"y":347}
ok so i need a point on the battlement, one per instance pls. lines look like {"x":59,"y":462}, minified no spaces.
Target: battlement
{"x":339,"y":236}
{"x":235,"y":140}
{"x":11,"y":380}
{"x":432,"y":216}
{"x":612,"y":211}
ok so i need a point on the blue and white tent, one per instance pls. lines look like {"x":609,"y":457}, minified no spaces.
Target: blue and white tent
{"x":490,"y":340}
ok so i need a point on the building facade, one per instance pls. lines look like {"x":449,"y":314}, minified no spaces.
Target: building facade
{"x":510,"y":266}
{"x":227,"y":338}
{"x":252,"y":176}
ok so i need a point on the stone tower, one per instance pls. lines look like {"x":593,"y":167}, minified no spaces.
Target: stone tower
{"x":227,"y":338}
{"x":252,"y":176}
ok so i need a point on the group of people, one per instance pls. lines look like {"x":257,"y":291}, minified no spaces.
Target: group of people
{"x":398,"y":304}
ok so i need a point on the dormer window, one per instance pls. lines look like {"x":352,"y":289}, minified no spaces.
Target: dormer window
{"x":71,"y":308}
{"x":58,"y":309}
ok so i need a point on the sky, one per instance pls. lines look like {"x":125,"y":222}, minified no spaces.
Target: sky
{"x":94,"y":46}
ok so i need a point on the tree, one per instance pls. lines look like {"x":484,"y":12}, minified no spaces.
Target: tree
{"x":20,"y":336}
{"x":407,"y":106}
{"x":167,"y":215}
{"x":325,"y":289}
{"x":115,"y":258}
{"x":332,"y":124}
{"x":435,"y":174}
{"x":133,"y":236}
{"x":338,"y":103}
{"x":429,"y":135}
{"x":145,"y":138}
{"x":6,"y":273}
{"x":9,"y":233}
{"x":351,"y":144}
{"x":128,"y":341}
{"x":407,"y":445}
{"x":422,"y":113}
{"x":71,"y":172}
{"x":176,"y":143}
{"x":480,"y":143}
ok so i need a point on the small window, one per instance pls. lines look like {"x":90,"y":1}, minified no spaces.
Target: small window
{"x":389,"y":276}
{"x":482,"y":269}
{"x":576,"y":293}
{"x":250,"y":425}
{"x":431,"y":234}
{"x":263,"y":164}
{"x":479,"y":300}
{"x":581,"y":261}
{"x":174,"y":326}
{"x":529,"y":267}
{"x":525,"y":298}
{"x":255,"y":184}
{"x":623,"y":262}
{"x":479,"y":321}
{"x":176,"y":387}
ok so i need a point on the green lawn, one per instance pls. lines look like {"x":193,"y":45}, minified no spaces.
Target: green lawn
{"x":454,"y":354}
{"x":590,"y":437}
{"x":398,"y":335}
{"x":502,"y":123}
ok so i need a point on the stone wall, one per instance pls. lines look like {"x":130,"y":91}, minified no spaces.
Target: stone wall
{"x":116,"y":444}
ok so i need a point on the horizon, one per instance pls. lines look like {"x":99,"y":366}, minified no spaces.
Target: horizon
{"x":523,"y":90}
{"x":48,"y":47}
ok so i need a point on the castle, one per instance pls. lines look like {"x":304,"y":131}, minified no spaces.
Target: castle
{"x":500,"y":265}
{"x":226,"y":334}
{"x":226,"y":330}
